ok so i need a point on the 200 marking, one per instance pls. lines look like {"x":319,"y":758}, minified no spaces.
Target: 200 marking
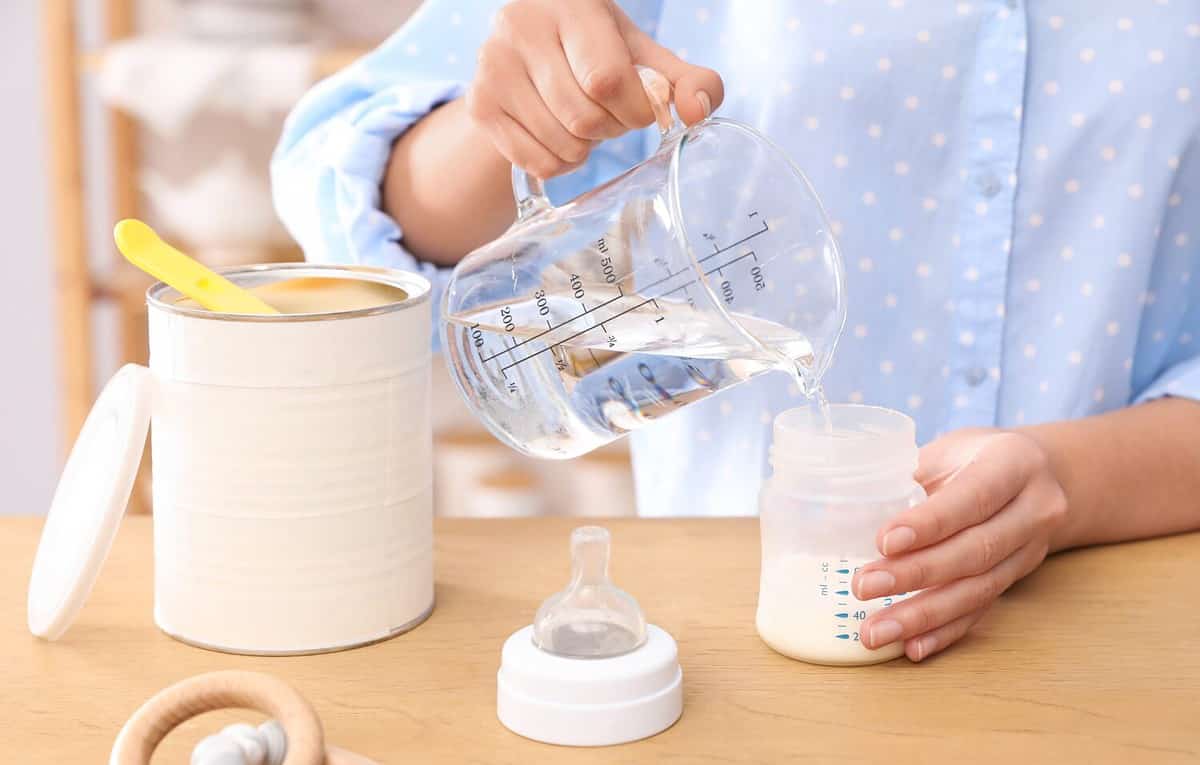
{"x":760,"y":281}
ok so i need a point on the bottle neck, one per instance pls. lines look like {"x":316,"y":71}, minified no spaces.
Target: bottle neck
{"x":861,"y":451}
{"x":878,"y":482}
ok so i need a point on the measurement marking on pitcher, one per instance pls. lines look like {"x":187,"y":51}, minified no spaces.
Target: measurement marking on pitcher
{"x":583,"y":331}
{"x":620,"y":295}
{"x":729,"y":263}
{"x":572,"y":337}
{"x":551,"y":327}
{"x":728,"y":247}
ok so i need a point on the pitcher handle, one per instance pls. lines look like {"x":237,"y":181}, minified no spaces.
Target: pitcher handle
{"x":529,"y":191}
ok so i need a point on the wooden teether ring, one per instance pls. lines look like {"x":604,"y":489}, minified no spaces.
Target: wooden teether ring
{"x":172,"y":706}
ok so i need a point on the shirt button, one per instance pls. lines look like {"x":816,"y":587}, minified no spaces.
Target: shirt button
{"x":976,"y":376}
{"x":990,"y":185}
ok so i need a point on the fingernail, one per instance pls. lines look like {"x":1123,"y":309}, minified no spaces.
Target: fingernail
{"x":924,"y":647}
{"x":705,"y":102}
{"x":898,"y":540}
{"x":884,"y":632}
{"x":874,"y":583}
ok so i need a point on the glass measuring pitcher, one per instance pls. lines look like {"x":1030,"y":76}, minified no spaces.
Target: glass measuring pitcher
{"x":709,"y":263}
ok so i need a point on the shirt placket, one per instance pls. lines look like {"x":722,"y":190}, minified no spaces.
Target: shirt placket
{"x":985,"y":231}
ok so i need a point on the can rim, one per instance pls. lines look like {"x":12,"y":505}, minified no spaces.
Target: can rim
{"x":415,"y":286}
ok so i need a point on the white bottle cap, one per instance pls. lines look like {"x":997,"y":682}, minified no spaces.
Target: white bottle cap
{"x":91,"y":497}
{"x":589,"y":671}
{"x":589,"y":702}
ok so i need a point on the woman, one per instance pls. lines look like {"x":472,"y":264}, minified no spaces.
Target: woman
{"x":1015,"y":185}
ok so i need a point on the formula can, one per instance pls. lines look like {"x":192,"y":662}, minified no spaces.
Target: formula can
{"x":292,"y":472}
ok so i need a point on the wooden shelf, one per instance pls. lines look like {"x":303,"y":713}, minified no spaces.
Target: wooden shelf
{"x":78,"y":287}
{"x":327,"y":62}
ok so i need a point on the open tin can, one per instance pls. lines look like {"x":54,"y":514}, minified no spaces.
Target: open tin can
{"x":292,"y":473}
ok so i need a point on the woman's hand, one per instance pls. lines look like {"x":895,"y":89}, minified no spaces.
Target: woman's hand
{"x":556,"y":76}
{"x":994,"y":503}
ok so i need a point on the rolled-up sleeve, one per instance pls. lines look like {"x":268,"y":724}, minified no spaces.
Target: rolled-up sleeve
{"x":1182,"y":379}
{"x":328,"y":168}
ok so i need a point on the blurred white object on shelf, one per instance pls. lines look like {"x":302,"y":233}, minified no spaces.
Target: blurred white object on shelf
{"x":461,"y":460}
{"x":252,"y":21}
{"x":506,"y":494}
{"x":363,"y":22}
{"x":596,"y":485}
{"x":165,"y":82}
{"x":224,"y":209}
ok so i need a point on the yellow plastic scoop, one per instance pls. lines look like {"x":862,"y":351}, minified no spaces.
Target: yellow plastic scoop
{"x":142,"y":247}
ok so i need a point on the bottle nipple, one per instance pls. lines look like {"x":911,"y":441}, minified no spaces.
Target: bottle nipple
{"x":592,"y":618}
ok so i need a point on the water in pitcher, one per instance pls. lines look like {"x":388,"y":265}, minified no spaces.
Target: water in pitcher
{"x":621,"y":364}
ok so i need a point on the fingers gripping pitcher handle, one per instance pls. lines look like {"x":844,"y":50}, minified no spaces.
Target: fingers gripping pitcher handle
{"x":528,"y":190}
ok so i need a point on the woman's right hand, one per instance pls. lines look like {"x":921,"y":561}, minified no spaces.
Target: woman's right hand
{"x":557,"y":76}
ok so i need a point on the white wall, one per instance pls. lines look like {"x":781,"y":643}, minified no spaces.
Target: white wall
{"x":28,"y":386}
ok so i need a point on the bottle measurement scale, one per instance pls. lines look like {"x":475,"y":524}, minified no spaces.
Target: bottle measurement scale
{"x":848,"y":612}
{"x":640,"y":352}
{"x":808,"y":611}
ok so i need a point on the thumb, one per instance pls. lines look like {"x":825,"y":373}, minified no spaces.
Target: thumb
{"x":941,"y":458}
{"x":698,"y":90}
{"x":935,"y":465}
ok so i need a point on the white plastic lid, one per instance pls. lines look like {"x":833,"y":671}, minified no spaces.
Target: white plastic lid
{"x":589,"y":671}
{"x":89,"y":502}
{"x":589,"y":702}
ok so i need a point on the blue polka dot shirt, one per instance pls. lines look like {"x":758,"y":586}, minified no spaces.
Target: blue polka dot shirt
{"x":1015,"y":185}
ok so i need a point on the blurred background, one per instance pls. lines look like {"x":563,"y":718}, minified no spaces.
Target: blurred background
{"x":168,"y":110}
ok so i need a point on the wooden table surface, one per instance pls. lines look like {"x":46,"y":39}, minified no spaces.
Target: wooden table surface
{"x":1095,"y":658}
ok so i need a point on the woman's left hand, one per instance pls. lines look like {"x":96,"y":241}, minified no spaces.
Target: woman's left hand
{"x":994,"y":503}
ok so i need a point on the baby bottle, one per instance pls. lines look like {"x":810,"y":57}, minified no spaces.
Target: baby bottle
{"x":833,"y":484}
